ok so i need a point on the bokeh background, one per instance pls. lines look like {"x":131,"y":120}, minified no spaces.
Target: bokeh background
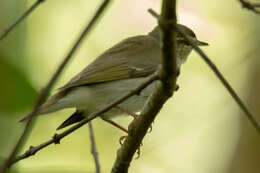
{"x":199,"y":130}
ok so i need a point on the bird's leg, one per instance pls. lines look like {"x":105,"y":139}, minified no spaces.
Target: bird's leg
{"x":127,"y":112}
{"x":118,"y":126}
{"x":135,"y":116}
{"x":115,"y":125}
{"x":122,"y":138}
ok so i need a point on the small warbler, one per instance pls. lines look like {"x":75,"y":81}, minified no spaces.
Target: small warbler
{"x":115,"y":72}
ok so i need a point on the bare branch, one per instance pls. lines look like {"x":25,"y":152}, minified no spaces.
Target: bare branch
{"x":250,"y":6}
{"x":57,"y":137}
{"x":94,"y":148}
{"x":48,"y":87}
{"x":138,"y":130}
{"x":219,"y":75}
{"x":21,"y":18}
{"x":163,"y":92}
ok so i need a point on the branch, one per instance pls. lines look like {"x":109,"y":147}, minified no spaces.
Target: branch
{"x":250,"y":6}
{"x":219,"y":75}
{"x":48,"y":87}
{"x":21,"y":18}
{"x":163,"y":91}
{"x":93,"y":148}
{"x":57,"y":137}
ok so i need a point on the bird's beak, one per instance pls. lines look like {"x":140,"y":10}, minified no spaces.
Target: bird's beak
{"x":201,"y":43}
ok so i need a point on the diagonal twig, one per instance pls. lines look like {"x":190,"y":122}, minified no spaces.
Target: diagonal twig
{"x":214,"y":68}
{"x":163,"y":92}
{"x":21,"y":18}
{"x":57,"y":137}
{"x":48,"y":87}
{"x":250,"y":6}
{"x":229,"y":88}
{"x":93,"y":147}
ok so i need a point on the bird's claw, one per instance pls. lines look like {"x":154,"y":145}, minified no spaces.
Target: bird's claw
{"x":121,"y":140}
{"x":138,"y":151}
{"x":177,"y":87}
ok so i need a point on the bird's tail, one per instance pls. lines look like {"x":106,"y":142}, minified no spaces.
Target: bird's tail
{"x":51,"y":105}
{"x":74,"y":118}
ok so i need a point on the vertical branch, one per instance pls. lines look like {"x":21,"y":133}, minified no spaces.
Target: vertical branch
{"x":163,"y":92}
{"x":48,"y":87}
{"x":167,"y":21}
{"x":93,"y":147}
{"x":21,"y":18}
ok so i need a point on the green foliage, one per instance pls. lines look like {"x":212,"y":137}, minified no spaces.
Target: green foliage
{"x":15,"y":90}
{"x":16,"y":96}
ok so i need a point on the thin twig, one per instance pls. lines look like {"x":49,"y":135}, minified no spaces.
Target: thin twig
{"x":163,"y":91}
{"x":48,"y":87}
{"x":57,"y":137}
{"x":94,"y":148}
{"x":21,"y":18}
{"x":250,"y":6}
{"x":219,"y":75}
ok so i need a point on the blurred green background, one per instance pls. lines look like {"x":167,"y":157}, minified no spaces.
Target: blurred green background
{"x":199,"y":130}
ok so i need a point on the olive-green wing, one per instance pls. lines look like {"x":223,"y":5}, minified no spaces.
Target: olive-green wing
{"x":120,"y":62}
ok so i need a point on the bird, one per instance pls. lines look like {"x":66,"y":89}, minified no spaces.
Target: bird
{"x":115,"y":72}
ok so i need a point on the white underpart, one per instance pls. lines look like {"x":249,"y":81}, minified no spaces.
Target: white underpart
{"x":93,"y":98}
